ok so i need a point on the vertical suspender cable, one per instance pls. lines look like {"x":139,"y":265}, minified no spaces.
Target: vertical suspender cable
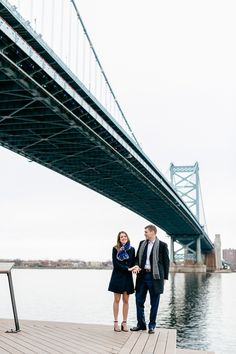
{"x":42,"y":14}
{"x":61,"y":31}
{"x":31,"y":14}
{"x":77,"y":51}
{"x":69,"y":41}
{"x":53,"y":24}
{"x":95,"y":78}
{"x":84,"y":59}
{"x":103,"y":73}
{"x":89,"y":70}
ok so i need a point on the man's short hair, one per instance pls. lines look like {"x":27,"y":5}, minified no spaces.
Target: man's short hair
{"x":151,"y":228}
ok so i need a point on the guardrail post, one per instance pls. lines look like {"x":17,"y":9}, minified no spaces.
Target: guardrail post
{"x":5,"y":268}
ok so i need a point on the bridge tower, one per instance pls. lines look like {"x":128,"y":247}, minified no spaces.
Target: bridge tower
{"x":185,"y":180}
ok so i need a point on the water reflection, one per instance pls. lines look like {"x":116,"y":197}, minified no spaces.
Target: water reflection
{"x":201,"y":307}
{"x":187,"y":308}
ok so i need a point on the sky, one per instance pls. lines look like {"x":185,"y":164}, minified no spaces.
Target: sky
{"x":172,"y":67}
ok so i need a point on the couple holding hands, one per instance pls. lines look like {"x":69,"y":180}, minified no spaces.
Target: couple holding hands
{"x":151,"y":265}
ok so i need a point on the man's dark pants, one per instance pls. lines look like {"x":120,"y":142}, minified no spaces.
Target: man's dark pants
{"x":147,"y":285}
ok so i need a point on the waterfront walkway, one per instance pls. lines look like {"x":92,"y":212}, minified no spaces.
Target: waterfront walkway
{"x":65,"y":338}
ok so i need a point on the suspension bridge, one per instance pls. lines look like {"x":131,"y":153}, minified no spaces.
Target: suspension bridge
{"x":57,"y":108}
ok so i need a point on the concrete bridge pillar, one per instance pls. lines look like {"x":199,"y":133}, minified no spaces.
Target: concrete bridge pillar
{"x":198,"y":250}
{"x":172,"y":257}
{"x":185,"y":253}
{"x":217,"y":244}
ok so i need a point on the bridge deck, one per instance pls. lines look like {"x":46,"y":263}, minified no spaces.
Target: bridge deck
{"x":58,"y":337}
{"x":47,"y":116}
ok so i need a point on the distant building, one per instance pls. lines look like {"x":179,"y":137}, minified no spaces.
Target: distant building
{"x":229,"y":256}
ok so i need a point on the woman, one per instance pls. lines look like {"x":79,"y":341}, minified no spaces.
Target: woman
{"x":121,"y":283}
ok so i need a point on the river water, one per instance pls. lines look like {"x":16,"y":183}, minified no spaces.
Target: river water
{"x":202,"y":307}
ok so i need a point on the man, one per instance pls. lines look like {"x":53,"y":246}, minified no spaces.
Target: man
{"x":152,"y":267}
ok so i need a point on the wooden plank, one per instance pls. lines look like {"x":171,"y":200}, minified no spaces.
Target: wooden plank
{"x":151,"y":342}
{"x":6,"y":348}
{"x":44,"y":337}
{"x":17,"y":347}
{"x":140,"y":344}
{"x":161,"y":343}
{"x":114,"y":338}
{"x":126,"y":349}
{"x":70,"y":342}
{"x":57,"y":342}
{"x":33,"y":345}
{"x":72,"y":334}
{"x":87,"y":339}
{"x":48,"y":346}
{"x":101,"y":333}
{"x":171,"y":342}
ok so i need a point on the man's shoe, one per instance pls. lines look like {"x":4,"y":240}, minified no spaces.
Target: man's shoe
{"x":138,"y":328}
{"x":151,"y":331}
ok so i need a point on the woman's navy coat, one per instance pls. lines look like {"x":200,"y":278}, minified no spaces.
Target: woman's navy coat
{"x":121,"y":278}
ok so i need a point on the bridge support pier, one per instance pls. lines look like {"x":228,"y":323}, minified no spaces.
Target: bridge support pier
{"x":172,"y":250}
{"x":198,"y":250}
{"x":189,"y":261}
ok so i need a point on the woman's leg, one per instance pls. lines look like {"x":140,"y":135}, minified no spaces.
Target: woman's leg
{"x":116,"y":311}
{"x":125,"y":298}
{"x":116,"y":306}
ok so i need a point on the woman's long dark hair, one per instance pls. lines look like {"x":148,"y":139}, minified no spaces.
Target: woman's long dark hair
{"x":118,"y":243}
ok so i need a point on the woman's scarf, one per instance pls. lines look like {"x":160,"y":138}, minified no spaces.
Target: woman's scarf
{"x":122,"y":253}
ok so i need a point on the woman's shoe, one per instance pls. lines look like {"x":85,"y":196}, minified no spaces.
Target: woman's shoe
{"x":116,"y":327}
{"x":124,"y":326}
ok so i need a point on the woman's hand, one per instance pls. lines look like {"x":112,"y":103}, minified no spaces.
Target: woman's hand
{"x":135,"y":269}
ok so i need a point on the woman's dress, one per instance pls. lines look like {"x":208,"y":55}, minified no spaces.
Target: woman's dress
{"x":121,"y":278}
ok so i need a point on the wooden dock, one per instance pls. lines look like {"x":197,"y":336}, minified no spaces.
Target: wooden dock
{"x":66,"y":338}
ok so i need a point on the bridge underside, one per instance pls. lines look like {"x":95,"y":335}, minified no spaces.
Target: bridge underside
{"x":41,"y":121}
{"x":30,"y":127}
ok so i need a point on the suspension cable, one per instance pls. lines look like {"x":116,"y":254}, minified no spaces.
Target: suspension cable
{"x":102,"y":71}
